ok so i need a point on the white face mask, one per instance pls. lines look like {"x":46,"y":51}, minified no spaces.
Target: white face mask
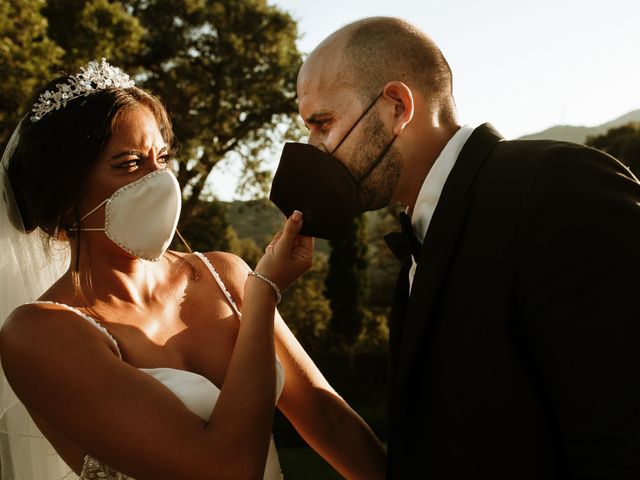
{"x":142,"y":216}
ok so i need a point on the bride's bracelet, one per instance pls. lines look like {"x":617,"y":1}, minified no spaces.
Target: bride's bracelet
{"x":273,"y":285}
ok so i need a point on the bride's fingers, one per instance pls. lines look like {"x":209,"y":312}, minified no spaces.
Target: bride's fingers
{"x":288,"y":255}
{"x":271,"y":245}
{"x":303,"y":248}
{"x":293,"y":225}
{"x":305,"y":242}
{"x":302,"y":254}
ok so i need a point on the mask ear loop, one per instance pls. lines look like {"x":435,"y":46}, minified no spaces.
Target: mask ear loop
{"x":356,"y":122}
{"x":73,"y":227}
{"x":184,"y":241}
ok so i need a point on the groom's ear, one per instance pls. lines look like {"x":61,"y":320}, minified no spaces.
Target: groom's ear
{"x":403,"y":105}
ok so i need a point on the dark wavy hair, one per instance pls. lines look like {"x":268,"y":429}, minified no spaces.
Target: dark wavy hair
{"x":54,"y":156}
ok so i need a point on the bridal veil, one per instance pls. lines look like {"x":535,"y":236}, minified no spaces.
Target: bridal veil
{"x":27,"y":269}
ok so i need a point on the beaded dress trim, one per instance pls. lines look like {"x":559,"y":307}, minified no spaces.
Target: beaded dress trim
{"x":219,"y":281}
{"x":94,"y":469}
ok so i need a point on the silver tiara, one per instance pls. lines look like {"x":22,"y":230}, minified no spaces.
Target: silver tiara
{"x":95,"y":76}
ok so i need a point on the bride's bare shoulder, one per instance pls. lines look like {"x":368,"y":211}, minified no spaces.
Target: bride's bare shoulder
{"x":33,"y":319}
{"x":232,"y":269}
{"x":36,"y":330}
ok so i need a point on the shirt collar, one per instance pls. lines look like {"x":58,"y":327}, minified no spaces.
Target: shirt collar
{"x":434,"y":182}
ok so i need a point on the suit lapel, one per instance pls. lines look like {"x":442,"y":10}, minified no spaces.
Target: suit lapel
{"x":441,"y":241}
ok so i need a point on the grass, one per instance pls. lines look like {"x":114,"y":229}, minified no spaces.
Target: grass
{"x":302,"y":463}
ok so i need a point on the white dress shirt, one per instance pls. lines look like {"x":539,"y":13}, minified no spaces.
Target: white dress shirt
{"x":432,"y":188}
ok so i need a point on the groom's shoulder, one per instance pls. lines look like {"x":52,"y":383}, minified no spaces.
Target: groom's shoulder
{"x":551,"y":157}
{"x":548,"y":168}
{"x":535,"y":150}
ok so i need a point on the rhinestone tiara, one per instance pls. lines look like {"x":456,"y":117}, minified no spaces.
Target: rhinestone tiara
{"x":94,"y":76}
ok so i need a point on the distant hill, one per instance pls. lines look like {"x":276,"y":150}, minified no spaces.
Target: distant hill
{"x":259,"y":220}
{"x":570,"y":133}
{"x":256,"y":219}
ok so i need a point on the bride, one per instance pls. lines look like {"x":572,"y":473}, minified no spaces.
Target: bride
{"x":140,"y":362}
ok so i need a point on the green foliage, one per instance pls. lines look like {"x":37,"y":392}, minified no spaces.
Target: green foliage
{"x":374,"y":335}
{"x":255,"y":222}
{"x":245,"y":248}
{"x":207,"y":229}
{"x":256,"y":219}
{"x":383,"y":267}
{"x":305,"y":309}
{"x":621,"y":142}
{"x":90,"y":29}
{"x":260,"y":220}
{"x":26,"y":57}
{"x":346,"y":285}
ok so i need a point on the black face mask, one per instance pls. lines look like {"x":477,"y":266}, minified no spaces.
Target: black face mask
{"x":321,"y":187}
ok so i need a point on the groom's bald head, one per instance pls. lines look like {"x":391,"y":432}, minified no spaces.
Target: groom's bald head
{"x":368,"y":53}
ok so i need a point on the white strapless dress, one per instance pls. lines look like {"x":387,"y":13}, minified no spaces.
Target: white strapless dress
{"x":198,"y":394}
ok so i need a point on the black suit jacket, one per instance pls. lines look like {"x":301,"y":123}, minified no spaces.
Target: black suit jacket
{"x":517,"y":354}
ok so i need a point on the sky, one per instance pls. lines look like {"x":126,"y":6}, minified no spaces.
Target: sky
{"x":523,"y":65}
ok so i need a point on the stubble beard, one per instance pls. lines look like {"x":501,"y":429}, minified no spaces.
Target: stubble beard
{"x":377,"y":189}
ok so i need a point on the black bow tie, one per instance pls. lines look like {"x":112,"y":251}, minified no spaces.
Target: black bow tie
{"x":404,"y":244}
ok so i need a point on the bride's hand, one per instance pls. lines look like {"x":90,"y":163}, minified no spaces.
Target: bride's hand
{"x":288,"y":255}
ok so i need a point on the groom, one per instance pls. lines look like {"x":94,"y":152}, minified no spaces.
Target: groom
{"x":515,"y":326}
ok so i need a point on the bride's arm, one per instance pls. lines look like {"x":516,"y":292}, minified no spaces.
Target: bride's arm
{"x":322,"y":417}
{"x":66,"y":371}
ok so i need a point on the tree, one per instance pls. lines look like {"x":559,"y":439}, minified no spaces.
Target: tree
{"x":245,"y":248}
{"x":621,"y":142}
{"x":346,"y":286}
{"x":207,"y":229}
{"x":305,"y":309}
{"x":91,"y":29}
{"x":226,"y":70}
{"x":27,"y":55}
{"x":383,"y":266}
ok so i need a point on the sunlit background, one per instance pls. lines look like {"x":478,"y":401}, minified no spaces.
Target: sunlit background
{"x":523,"y":65}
